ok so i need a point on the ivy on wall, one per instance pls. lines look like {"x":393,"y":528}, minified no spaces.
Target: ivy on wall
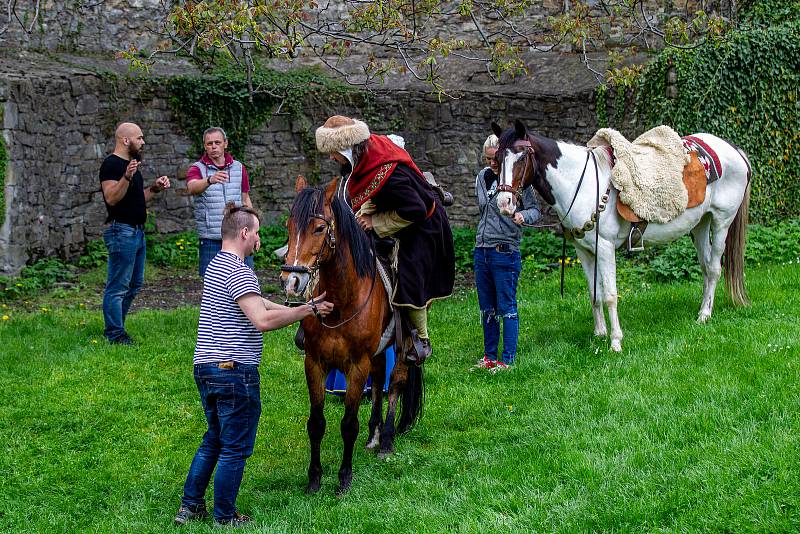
{"x":744,"y":89}
{"x":225,"y":99}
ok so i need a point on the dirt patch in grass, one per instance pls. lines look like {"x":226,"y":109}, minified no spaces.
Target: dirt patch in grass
{"x":170,"y":290}
{"x":164,"y":289}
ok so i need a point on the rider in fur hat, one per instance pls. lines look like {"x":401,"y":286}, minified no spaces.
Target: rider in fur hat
{"x":391,"y":198}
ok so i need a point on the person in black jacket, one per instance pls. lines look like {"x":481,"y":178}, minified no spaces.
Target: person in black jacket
{"x":391,"y":198}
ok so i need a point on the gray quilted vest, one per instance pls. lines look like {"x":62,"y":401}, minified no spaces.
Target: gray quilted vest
{"x":210,"y":205}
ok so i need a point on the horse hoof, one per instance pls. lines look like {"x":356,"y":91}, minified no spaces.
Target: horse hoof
{"x":384,"y":453}
{"x":375,"y":441}
{"x":602,"y":333}
{"x":312,"y":488}
{"x":342,"y":490}
{"x":703,"y":317}
{"x":616,"y":345}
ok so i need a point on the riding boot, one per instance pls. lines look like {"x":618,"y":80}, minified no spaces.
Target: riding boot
{"x":300,"y":338}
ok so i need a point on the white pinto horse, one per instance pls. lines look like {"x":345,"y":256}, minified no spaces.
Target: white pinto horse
{"x":573,"y":179}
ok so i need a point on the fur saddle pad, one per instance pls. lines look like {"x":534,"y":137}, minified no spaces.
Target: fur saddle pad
{"x":648,"y":172}
{"x":694,"y":178}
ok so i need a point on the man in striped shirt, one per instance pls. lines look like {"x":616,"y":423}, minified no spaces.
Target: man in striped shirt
{"x":227,"y":354}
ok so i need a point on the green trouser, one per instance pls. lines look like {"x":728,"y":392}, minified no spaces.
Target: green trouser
{"x":419,"y":318}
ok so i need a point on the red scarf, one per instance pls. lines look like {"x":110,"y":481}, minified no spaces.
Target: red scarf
{"x":375,"y":167}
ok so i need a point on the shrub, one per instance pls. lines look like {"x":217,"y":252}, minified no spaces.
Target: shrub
{"x":541,"y":249}
{"x":94,"y":255}
{"x":464,"y":244}
{"x":272,"y":236}
{"x":671,"y":262}
{"x":173,"y":250}
{"x":779,"y":243}
{"x":42,"y":275}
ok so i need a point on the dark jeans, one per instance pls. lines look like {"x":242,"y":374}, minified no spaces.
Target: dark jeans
{"x":126,"y":255}
{"x":496,"y":276}
{"x":209,"y":249}
{"x":232,"y":402}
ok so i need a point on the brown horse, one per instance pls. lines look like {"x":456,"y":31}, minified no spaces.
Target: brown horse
{"x":329,"y":252}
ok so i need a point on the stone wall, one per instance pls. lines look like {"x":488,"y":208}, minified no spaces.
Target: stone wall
{"x":59,"y":121}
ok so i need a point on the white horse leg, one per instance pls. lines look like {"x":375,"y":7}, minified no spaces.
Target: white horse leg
{"x":607,"y":264}
{"x":702,"y":243}
{"x":719,"y":231}
{"x":587,"y":262}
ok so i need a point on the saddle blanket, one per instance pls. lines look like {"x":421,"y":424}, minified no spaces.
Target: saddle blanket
{"x":706,"y":155}
{"x":336,"y":382}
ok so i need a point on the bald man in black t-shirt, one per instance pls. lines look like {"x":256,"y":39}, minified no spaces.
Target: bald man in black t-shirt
{"x":125,"y":197}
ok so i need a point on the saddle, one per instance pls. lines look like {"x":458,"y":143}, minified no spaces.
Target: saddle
{"x":694,"y":179}
{"x":445,"y":197}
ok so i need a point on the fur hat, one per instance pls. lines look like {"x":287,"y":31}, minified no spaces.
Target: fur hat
{"x":340,"y":133}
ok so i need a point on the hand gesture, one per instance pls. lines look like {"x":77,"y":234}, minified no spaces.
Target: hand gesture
{"x":218,"y":177}
{"x":162,"y":182}
{"x":365,"y":222}
{"x":323,"y":306}
{"x":133,"y":166}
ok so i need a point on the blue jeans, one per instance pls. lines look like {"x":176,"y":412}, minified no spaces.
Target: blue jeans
{"x":496,"y":276}
{"x":232,"y":403}
{"x":126,"y":255}
{"x":209,"y":249}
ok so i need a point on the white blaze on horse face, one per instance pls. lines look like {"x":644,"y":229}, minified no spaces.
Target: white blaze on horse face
{"x":505,"y":199}
{"x":296,"y":248}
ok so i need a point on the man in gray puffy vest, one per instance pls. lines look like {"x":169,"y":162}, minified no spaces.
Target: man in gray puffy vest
{"x":216,"y":179}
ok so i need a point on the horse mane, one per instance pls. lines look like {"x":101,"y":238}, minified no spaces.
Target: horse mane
{"x":506,"y":139}
{"x":542,"y":145}
{"x":309,"y":203}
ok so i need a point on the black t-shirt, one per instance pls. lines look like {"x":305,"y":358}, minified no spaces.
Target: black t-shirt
{"x":131,"y":209}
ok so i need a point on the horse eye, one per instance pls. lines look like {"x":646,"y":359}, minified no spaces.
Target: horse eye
{"x":319,"y":229}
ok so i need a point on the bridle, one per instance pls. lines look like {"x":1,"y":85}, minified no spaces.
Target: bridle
{"x":526,"y":145}
{"x":313,"y":273}
{"x":330,"y":242}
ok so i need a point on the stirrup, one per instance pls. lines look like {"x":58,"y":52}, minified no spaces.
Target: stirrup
{"x":420,"y":349}
{"x":635,"y":239}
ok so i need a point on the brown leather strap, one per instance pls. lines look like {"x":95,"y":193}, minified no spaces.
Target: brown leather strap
{"x":398,"y":333}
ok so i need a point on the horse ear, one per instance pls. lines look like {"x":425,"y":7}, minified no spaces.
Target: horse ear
{"x":496,"y":129}
{"x":330,"y":191}
{"x":520,"y":129}
{"x":300,"y":183}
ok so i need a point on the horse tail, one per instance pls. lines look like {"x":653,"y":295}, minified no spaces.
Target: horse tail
{"x":411,"y":399}
{"x":733,"y":256}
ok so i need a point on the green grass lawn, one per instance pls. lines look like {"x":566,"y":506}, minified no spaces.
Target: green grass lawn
{"x":691,"y":428}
